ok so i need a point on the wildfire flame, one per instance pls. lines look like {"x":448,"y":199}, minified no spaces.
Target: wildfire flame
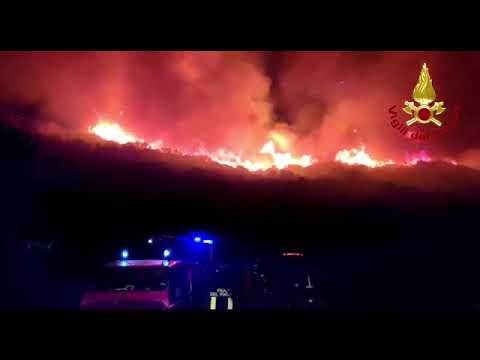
{"x":279,"y":160}
{"x":228,"y":158}
{"x":360,"y":157}
{"x":113,"y":132}
{"x":282,"y":160}
{"x":269,"y":156}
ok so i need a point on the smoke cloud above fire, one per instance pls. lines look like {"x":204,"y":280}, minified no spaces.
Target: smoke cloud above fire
{"x":321,"y":102}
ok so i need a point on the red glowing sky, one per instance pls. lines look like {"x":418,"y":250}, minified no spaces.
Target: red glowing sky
{"x":326,"y":101}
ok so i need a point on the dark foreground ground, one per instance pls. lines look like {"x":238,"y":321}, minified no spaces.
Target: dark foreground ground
{"x":375,"y":241}
{"x":406,"y":279}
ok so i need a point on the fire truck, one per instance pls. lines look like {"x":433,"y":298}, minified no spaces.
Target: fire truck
{"x":188,"y":281}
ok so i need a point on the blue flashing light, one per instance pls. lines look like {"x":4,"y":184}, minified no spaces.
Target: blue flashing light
{"x":150,"y":241}
{"x":210,"y":242}
{"x":197,"y":239}
{"x":165,"y":262}
{"x":124,"y":254}
{"x":166,"y":253}
{"x":123,"y":263}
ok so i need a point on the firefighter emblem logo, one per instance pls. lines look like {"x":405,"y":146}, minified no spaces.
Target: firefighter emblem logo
{"x":424,"y":109}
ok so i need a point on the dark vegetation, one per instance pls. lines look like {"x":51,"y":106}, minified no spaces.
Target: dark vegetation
{"x":81,"y":200}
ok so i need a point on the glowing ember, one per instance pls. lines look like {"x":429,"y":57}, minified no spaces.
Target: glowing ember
{"x":414,"y":159}
{"x":156,"y":145}
{"x":230,"y":159}
{"x":113,"y":132}
{"x":360,"y":157}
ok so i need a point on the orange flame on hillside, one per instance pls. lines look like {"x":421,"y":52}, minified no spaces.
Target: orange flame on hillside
{"x":113,"y":132}
{"x":279,"y":160}
{"x":360,"y":157}
{"x":268,"y":156}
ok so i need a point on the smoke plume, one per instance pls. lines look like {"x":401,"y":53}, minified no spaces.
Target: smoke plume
{"x":322,"y":101}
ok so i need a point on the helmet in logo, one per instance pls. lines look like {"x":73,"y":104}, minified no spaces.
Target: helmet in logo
{"x":424,"y":94}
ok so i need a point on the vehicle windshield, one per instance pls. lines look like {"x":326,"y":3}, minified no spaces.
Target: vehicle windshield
{"x":133,"y":279}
